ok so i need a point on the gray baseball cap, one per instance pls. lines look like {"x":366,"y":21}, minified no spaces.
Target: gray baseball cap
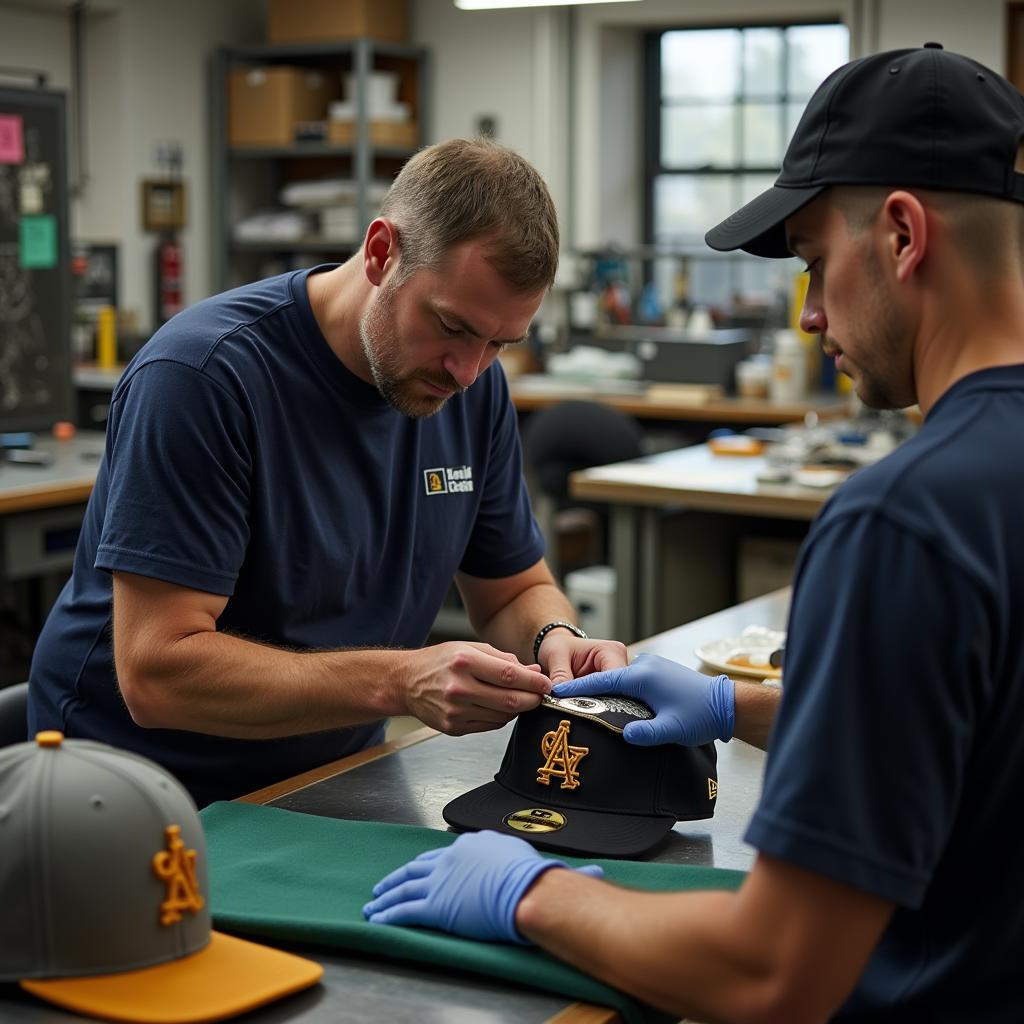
{"x":103,"y":885}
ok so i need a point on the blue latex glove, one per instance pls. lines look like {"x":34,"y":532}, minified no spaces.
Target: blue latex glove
{"x":690,"y":708}
{"x":471,"y":888}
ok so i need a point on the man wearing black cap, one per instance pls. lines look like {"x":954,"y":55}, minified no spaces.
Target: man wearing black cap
{"x":887,"y":885}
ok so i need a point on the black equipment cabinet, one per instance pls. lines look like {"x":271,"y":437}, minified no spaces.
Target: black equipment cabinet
{"x":35,"y":269}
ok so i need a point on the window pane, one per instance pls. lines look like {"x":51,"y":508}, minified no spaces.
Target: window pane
{"x":762,"y":62}
{"x":711,"y":282}
{"x":762,"y":134}
{"x":703,"y":136}
{"x":688,"y":205}
{"x":749,"y":186}
{"x":700,"y":64}
{"x":766,"y":282}
{"x":815,"y":51}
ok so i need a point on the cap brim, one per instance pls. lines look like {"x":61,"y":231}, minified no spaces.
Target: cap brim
{"x":589,"y":833}
{"x":229,"y":976}
{"x":760,"y":227}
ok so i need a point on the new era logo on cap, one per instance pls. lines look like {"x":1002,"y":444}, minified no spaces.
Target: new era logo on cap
{"x":103,"y":889}
{"x":570,"y":782}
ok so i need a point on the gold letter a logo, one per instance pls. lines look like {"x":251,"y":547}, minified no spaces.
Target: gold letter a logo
{"x":176,"y":867}
{"x":560,"y":758}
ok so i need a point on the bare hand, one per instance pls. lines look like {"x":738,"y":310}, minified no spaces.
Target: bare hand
{"x":464,"y":687}
{"x":565,"y":656}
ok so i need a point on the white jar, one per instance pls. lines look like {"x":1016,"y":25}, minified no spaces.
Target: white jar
{"x":789,"y":368}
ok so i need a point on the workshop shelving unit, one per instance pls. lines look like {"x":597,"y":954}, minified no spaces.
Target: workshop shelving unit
{"x":246,"y":179}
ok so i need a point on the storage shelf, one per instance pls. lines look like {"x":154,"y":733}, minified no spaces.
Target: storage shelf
{"x":247,"y":179}
{"x":297,"y":51}
{"x":304,"y":149}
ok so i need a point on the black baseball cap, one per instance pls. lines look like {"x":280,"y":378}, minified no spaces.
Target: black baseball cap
{"x":570,"y":782}
{"x":923,"y":118}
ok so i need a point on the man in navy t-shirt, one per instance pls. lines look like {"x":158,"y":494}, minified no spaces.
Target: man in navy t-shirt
{"x":295,"y":472}
{"x":888,"y":884}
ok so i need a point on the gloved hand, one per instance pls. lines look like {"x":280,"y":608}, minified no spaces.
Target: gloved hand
{"x":471,"y":888}
{"x":690,"y":708}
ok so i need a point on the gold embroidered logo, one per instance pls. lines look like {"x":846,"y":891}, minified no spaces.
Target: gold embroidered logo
{"x":560,"y":758}
{"x":435,"y":482}
{"x":535,"y":819}
{"x":712,"y":789}
{"x":176,"y":868}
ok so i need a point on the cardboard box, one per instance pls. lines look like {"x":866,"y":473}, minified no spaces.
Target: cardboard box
{"x":266,"y":103}
{"x":403,"y":134}
{"x":324,"y":21}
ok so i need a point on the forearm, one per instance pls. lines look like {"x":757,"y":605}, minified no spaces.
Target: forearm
{"x":224,"y":685}
{"x":513,"y":627}
{"x":756,"y":705}
{"x":682,"y":952}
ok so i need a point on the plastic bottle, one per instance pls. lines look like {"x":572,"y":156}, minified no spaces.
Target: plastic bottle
{"x":106,"y":338}
{"x":789,"y":368}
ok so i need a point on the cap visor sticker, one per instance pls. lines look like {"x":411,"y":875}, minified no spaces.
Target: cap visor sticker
{"x":589,"y":833}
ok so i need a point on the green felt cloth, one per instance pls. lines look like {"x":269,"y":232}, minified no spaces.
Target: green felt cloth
{"x":302,"y":878}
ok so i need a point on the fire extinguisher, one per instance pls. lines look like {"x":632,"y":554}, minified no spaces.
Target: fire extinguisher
{"x":169,"y":292}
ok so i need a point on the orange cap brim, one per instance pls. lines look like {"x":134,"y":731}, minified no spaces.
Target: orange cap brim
{"x":227,"y":977}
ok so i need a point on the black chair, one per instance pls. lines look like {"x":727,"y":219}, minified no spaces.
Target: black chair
{"x":13,"y":714}
{"x":561,"y":440}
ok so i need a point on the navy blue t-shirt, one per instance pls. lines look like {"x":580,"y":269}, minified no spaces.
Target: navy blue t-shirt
{"x":243,"y":459}
{"x":897,"y":760}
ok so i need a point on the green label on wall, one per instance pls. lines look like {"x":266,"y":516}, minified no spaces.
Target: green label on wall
{"x":38,"y":242}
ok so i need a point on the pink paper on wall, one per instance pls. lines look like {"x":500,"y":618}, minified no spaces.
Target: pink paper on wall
{"x":12,"y":149}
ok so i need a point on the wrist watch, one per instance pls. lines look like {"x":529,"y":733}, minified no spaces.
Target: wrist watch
{"x":544,"y":630}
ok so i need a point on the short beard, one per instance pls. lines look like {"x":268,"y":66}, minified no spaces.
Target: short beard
{"x":381,"y":348}
{"x":885,"y":389}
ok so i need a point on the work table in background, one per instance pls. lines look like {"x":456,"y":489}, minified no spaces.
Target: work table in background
{"x":681,"y":402}
{"x":675,"y":518}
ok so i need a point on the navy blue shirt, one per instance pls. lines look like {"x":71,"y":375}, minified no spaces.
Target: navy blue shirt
{"x":897,"y":760}
{"x":243,"y":459}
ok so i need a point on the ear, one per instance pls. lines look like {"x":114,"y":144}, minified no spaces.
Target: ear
{"x":905,"y":223}
{"x":380,"y":249}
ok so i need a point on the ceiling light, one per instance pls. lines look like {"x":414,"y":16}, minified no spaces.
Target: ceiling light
{"x":490,"y":5}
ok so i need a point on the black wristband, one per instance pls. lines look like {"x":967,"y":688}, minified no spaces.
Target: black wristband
{"x":544,"y":630}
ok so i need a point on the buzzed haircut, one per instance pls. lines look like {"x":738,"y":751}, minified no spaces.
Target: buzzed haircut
{"x":987,"y":231}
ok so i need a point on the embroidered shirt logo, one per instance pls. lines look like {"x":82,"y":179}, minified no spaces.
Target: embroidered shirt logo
{"x":176,"y":868}
{"x":448,"y":479}
{"x":712,"y":789}
{"x":561,"y":759}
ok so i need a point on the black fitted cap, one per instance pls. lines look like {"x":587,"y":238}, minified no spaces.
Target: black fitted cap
{"x":570,"y":782}
{"x":922,"y":118}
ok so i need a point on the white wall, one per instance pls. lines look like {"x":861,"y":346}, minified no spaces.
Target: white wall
{"x":507,"y":64}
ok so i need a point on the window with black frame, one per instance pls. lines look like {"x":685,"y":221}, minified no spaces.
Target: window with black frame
{"x":722,"y":104}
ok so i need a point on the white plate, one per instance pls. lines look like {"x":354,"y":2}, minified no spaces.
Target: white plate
{"x":753,"y":647}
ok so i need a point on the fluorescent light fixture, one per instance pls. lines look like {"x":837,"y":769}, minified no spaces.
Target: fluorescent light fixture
{"x":491,"y":5}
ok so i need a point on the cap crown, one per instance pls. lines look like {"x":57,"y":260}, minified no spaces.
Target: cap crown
{"x":91,"y":880}
{"x":921,"y":118}
{"x":612,"y":776}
